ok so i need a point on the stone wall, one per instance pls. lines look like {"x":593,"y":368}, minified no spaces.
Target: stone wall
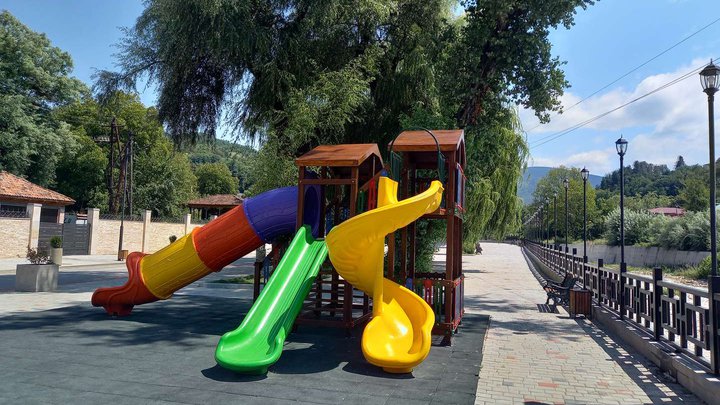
{"x":107,"y":234}
{"x":641,"y":256}
{"x":159,"y":235}
{"x":14,"y":236}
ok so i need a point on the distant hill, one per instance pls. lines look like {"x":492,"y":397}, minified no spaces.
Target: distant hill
{"x":533,"y":174}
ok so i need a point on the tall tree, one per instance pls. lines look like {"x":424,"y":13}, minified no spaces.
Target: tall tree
{"x":34,"y":79}
{"x":552,"y":185}
{"x":215,"y":178}
{"x":680,"y":163}
{"x":298,"y":73}
{"x":695,"y":195}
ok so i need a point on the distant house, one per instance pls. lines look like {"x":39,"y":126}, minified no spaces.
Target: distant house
{"x":668,"y":211}
{"x":18,"y":197}
{"x":216,"y":204}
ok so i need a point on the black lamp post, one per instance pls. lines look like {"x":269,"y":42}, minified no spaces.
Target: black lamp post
{"x":621,"y":147}
{"x":547,"y":210}
{"x":566,"y":184}
{"x":555,"y":242}
{"x":585,"y":173}
{"x":710,"y":79}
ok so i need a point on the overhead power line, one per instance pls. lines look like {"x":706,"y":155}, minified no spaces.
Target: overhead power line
{"x":556,"y":135}
{"x":636,"y":68}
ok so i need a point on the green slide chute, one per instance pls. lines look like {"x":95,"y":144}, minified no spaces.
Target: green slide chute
{"x":258,"y":342}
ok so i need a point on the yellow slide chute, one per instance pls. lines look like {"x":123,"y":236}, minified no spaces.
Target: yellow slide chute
{"x":398,"y":337}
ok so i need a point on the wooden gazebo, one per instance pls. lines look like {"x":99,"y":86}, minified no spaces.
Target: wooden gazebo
{"x":216,"y":204}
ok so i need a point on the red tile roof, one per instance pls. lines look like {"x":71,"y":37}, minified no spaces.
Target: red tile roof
{"x":217,"y":200}
{"x":17,"y":189}
{"x":669,"y":211}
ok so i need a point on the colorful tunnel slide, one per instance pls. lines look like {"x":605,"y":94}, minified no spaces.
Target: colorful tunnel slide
{"x":209,"y":248}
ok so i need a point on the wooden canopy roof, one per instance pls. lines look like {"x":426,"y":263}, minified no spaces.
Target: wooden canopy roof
{"x":346,"y":155}
{"x":420,"y":141}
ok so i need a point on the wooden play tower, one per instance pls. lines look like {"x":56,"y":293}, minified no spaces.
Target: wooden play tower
{"x":416,"y":158}
{"x":347,"y":176}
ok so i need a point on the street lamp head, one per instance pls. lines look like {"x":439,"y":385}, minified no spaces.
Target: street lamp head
{"x":566,"y":183}
{"x":621,"y":146}
{"x":585,"y":173}
{"x":709,"y":78}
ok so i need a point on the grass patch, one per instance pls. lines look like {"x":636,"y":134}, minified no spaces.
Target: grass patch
{"x":247,"y":279}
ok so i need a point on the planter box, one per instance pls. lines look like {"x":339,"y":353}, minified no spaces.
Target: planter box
{"x":56,"y":255}
{"x":36,"y":277}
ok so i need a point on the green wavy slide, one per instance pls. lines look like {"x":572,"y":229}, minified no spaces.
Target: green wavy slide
{"x":258,"y":342}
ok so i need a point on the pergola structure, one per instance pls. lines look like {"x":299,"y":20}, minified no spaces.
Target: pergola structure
{"x":216,"y":204}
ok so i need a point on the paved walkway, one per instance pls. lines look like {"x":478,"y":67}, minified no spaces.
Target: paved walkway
{"x":72,"y":261}
{"x":535,"y":357}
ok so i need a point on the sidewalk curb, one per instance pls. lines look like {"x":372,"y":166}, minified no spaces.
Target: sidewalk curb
{"x":72,"y":266}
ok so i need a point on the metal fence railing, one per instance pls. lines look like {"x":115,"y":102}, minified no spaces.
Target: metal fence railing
{"x":13,"y":214}
{"x":170,"y":220}
{"x":678,"y":314}
{"x":118,"y":217}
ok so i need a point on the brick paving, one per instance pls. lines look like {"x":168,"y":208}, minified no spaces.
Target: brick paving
{"x":534,"y":357}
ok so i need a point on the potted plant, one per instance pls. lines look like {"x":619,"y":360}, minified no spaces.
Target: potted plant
{"x":40,"y":275}
{"x":56,"y":250}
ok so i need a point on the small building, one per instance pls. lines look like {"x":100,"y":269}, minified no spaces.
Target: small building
{"x":18,"y":198}
{"x":216,"y":204}
{"x":668,"y":211}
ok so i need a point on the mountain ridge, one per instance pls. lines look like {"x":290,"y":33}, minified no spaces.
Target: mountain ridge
{"x":531,"y":176}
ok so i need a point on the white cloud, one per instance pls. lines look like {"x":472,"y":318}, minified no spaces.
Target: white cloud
{"x":659,"y":127}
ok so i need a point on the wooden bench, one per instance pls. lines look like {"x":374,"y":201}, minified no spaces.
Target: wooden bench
{"x":559,"y":292}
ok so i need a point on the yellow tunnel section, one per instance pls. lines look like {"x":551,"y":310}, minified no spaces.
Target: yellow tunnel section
{"x":173,"y":267}
{"x":398,"y":338}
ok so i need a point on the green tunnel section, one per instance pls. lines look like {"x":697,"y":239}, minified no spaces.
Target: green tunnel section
{"x":258,"y":342}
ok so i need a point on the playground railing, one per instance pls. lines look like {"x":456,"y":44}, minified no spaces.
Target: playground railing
{"x":433,"y":287}
{"x":683,"y":316}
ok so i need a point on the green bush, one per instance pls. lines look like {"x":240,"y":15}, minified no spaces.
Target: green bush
{"x":639,"y":227}
{"x":689,"y":232}
{"x":56,"y":242}
{"x":699,"y":272}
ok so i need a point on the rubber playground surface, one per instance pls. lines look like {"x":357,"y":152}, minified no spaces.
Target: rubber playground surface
{"x":163,"y":353}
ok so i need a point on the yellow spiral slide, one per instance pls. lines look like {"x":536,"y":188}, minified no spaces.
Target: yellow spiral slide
{"x":398,"y":337}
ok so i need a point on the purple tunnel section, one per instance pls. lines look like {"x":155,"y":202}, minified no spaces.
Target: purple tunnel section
{"x":273,"y":213}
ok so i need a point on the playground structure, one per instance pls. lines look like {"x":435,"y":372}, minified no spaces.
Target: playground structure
{"x":347,"y":179}
{"x":413,"y":156}
{"x":343,"y":193}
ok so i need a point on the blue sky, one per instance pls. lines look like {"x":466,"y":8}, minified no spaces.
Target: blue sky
{"x":609,"y":39}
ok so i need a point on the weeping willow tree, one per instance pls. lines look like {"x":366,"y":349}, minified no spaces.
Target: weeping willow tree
{"x":497,"y":153}
{"x":292,"y":74}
